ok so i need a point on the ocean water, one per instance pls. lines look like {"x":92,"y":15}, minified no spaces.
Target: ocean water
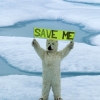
{"x":25,"y":29}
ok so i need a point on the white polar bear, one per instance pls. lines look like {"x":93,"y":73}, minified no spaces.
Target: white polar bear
{"x":51,"y":59}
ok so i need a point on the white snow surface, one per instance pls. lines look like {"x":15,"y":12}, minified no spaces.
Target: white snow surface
{"x":19,"y":53}
{"x":21,"y":87}
{"x":13,"y":11}
{"x":95,"y":40}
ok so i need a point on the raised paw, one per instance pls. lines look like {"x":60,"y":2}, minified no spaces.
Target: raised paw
{"x":71,"y":45}
{"x":34,"y":42}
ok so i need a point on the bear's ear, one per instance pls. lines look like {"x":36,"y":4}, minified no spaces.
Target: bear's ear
{"x":48,"y":39}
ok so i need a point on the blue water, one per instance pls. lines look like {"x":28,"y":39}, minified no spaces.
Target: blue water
{"x":25,"y":29}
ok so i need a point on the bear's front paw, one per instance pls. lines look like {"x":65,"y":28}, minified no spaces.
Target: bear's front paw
{"x":34,"y":42}
{"x":71,"y":45}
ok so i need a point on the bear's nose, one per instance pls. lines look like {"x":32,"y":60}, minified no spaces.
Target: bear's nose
{"x":49,"y":48}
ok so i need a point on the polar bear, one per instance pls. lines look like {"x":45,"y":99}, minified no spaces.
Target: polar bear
{"x":51,"y":59}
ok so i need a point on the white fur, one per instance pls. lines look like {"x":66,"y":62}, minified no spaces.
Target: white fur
{"x":51,"y":60}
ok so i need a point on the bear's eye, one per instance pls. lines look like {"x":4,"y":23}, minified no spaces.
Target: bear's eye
{"x":52,"y":43}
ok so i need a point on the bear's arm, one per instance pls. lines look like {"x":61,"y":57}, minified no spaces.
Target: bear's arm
{"x":40,"y":51}
{"x":63,"y":53}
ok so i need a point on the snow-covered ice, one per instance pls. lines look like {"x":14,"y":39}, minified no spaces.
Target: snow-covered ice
{"x":86,"y":16}
{"x":19,"y":53}
{"x":14,"y":11}
{"x":95,"y":40}
{"x":21,"y":87}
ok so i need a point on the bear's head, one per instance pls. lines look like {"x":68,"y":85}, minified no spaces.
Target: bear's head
{"x":51,"y":45}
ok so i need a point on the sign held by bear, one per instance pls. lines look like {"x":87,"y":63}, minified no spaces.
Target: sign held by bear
{"x":53,"y":34}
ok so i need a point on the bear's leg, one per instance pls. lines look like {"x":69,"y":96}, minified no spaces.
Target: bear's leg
{"x":45,"y":90}
{"x":56,"y":88}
